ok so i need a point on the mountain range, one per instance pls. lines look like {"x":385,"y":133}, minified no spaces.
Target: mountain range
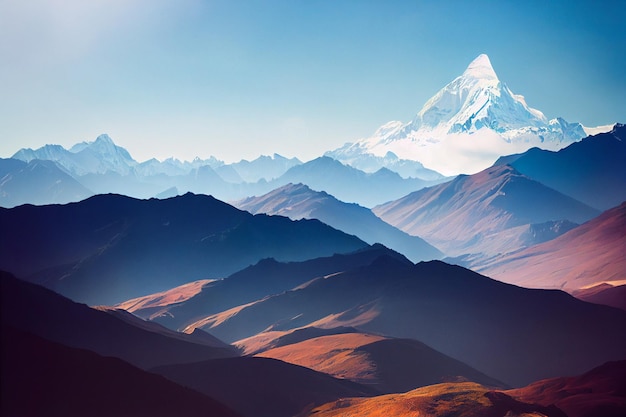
{"x":117,"y":172}
{"x":497,"y":210}
{"x":393,"y":297}
{"x":465,"y":127}
{"x":591,"y":171}
{"x":37,"y":182}
{"x":109,"y":248}
{"x":319,"y":289}
{"x":297,"y":201}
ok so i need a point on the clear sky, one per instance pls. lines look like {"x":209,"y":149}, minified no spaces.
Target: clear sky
{"x":239,"y":78}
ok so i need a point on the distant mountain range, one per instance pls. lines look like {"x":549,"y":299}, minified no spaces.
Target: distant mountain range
{"x":465,"y":127}
{"x":101,"y":167}
{"x":109,"y":248}
{"x":297,"y":201}
{"x":37,"y":182}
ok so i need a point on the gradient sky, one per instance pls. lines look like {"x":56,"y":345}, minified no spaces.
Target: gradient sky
{"x":236,"y":79}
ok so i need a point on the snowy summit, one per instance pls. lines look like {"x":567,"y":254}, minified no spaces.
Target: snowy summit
{"x":466,"y":126}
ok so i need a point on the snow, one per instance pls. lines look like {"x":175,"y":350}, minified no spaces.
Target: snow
{"x":466,"y":126}
{"x":590,"y":131}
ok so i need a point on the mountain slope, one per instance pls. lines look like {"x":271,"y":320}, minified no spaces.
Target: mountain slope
{"x":592,"y":171}
{"x":489,"y":212}
{"x":386,"y":364}
{"x":39,"y":311}
{"x":609,"y":295}
{"x":40,"y":378}
{"x":109,"y":248}
{"x":451,"y":399}
{"x":466,"y":126}
{"x":300,"y":202}
{"x":263,"y":279}
{"x":262,"y":387}
{"x":599,"y":392}
{"x":451,"y":309}
{"x":37,"y":182}
{"x":588,"y":255}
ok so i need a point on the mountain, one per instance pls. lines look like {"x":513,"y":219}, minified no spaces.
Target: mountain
{"x":37,"y":182}
{"x":99,"y":156}
{"x":599,"y":392}
{"x":181,"y":306}
{"x":406,"y":168}
{"x":513,"y":334}
{"x":588,"y":255}
{"x":386,"y":364}
{"x":592,"y":171}
{"x":34,"y":309}
{"x":494,"y":211}
{"x":609,"y":295}
{"x":40,"y":377}
{"x":109,"y":248}
{"x":264,"y":167}
{"x":262,"y":387}
{"x":466,"y":126}
{"x":297,"y":201}
{"x":349,"y":184}
{"x":452,"y":399}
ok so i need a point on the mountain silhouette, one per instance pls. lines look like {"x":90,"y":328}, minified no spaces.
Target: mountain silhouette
{"x":487,"y":213}
{"x":43,"y":378}
{"x":109,"y":248}
{"x":497,"y":328}
{"x":37,"y":310}
{"x":592,"y":171}
{"x":297,"y":201}
{"x":591,"y":254}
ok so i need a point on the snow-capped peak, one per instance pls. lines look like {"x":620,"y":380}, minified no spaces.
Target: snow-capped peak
{"x":480,"y":68}
{"x":466,"y":126}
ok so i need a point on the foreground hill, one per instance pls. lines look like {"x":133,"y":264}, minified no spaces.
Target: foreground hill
{"x":297,"y":201}
{"x":599,"y":392}
{"x":262,"y":387}
{"x":452,"y":399}
{"x":37,"y":182}
{"x":386,"y":364}
{"x":588,"y":255}
{"x":109,"y":248}
{"x":39,"y":311}
{"x":494,"y":211}
{"x":43,"y":378}
{"x":494,"y":327}
{"x":591,"y":171}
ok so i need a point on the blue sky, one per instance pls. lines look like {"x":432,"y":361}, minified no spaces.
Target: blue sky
{"x":236,"y":79}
